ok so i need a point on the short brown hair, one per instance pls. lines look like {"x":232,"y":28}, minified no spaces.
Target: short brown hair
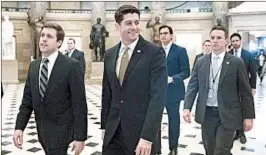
{"x":60,"y":34}
{"x":125,"y":9}
{"x":219,"y":27}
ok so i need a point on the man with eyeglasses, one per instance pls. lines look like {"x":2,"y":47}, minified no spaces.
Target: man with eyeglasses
{"x":178,"y":71}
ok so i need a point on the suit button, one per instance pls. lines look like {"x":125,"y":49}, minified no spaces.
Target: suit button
{"x":122,"y":101}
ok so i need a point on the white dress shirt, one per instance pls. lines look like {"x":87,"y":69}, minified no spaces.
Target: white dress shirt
{"x":71,"y":52}
{"x":213,"y":101}
{"x":167,"y":48}
{"x":121,"y":52}
{"x":50,"y":64}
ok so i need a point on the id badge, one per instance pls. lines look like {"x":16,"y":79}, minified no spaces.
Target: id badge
{"x":211,"y":90}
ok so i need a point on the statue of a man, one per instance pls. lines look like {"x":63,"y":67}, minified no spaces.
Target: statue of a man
{"x":7,"y":38}
{"x":36,"y":26}
{"x":155,"y":28}
{"x":97,"y":36}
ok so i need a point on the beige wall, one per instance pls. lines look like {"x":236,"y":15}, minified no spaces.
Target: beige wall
{"x":79,"y":25}
{"x":65,"y":5}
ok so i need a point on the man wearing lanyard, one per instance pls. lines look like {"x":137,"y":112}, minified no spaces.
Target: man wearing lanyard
{"x":224,"y":98}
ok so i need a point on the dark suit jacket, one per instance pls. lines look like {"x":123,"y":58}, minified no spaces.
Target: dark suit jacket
{"x":139,"y":103}
{"x":62,"y":116}
{"x":197,"y":57}
{"x":251,"y":67}
{"x":78,"y":55}
{"x":235,"y":100}
{"x":178,"y":68}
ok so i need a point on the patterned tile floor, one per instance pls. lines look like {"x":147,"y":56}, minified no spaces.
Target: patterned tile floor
{"x":190,"y":138}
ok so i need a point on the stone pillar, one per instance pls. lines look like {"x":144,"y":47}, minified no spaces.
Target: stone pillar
{"x":98,"y":10}
{"x":158,"y":9}
{"x":220,"y":10}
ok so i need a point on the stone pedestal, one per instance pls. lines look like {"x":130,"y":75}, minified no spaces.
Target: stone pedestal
{"x":96,"y":75}
{"x":220,"y":10}
{"x":10,"y":71}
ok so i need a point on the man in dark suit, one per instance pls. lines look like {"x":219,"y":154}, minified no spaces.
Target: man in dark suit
{"x":55,"y":91}
{"x":225,"y":100}
{"x":134,"y":89}
{"x":178,"y":70}
{"x":250,"y":64}
{"x":76,"y":54}
{"x":206,"y":49}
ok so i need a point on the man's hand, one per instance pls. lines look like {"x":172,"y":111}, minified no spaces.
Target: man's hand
{"x":78,"y":146}
{"x":18,"y":138}
{"x":170,"y":79}
{"x":253,"y":92}
{"x":187,"y":115}
{"x":248,"y":124}
{"x":143,"y":147}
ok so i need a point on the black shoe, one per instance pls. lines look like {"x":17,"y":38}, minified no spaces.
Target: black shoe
{"x":158,"y":152}
{"x":243,"y":139}
{"x":173,"y":152}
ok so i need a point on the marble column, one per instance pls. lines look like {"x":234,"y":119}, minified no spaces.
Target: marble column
{"x":220,"y":10}
{"x":98,"y":10}
{"x":158,"y":9}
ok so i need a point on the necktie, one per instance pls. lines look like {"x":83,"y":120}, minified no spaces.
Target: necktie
{"x":236,"y":52}
{"x":44,"y":78}
{"x":123,"y":66}
{"x":215,"y":67}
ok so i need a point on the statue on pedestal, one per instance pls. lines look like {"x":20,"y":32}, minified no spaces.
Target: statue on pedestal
{"x":7,"y":39}
{"x":36,"y":26}
{"x":97,"y":37}
{"x":155,"y":28}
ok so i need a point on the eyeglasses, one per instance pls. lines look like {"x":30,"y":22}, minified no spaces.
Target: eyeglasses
{"x":164,"y":33}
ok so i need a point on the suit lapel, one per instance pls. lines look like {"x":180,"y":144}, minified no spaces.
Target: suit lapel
{"x":113,"y":60}
{"x":135,"y":57}
{"x":54,"y":74}
{"x":206,"y":70}
{"x":225,"y":64}
{"x":36,"y":70}
{"x":74,"y":54}
{"x":171,"y":52}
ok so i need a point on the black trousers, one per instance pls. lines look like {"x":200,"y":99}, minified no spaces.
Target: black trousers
{"x":56,"y":151}
{"x":116,"y":146}
{"x":217,"y":140}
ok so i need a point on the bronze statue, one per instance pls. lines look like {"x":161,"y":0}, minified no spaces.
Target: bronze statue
{"x":97,"y":36}
{"x":155,"y":27}
{"x":219,"y":22}
{"x":36,"y":26}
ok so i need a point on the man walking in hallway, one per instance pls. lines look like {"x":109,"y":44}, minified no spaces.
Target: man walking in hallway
{"x":134,"y":89}
{"x":225,"y":102}
{"x":250,"y":64}
{"x":55,"y":92}
{"x":178,"y":71}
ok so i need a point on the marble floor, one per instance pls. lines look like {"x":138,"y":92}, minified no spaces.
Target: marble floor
{"x":190,"y":138}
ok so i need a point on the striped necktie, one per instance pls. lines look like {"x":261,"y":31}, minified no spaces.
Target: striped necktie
{"x":44,"y":78}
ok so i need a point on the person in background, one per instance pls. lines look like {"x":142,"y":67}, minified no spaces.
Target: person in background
{"x":250,"y":64}
{"x":206,"y":49}
{"x":178,"y":71}
{"x":261,"y":60}
{"x":76,"y":54}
